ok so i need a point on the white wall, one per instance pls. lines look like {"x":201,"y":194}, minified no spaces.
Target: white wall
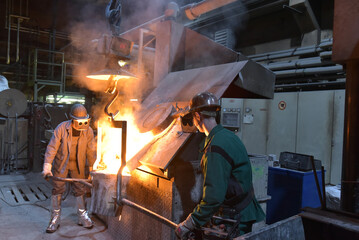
{"x":303,"y":122}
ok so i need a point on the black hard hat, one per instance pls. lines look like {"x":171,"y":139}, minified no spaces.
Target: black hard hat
{"x":78,"y":111}
{"x":204,"y":101}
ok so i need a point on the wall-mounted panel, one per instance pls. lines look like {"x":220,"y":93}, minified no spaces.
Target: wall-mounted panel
{"x":315,"y":126}
{"x":254,"y":125}
{"x":282,"y":123}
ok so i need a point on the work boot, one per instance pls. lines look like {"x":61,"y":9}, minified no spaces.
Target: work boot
{"x":84,"y":219}
{"x":55,"y":213}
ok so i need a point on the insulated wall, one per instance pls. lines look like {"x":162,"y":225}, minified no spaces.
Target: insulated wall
{"x":303,"y":122}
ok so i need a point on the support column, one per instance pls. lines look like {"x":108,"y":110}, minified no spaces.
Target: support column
{"x":350,"y":167}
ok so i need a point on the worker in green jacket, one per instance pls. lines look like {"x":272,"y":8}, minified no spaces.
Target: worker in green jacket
{"x":227,"y":185}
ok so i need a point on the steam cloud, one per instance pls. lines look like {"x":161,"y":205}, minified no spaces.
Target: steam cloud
{"x":93,"y":24}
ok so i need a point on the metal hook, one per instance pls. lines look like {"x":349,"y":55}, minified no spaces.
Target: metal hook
{"x":116,"y":94}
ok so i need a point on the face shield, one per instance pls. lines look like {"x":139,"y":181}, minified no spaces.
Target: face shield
{"x":81,"y":124}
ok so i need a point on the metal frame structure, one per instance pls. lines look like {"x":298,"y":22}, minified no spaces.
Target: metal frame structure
{"x":41,"y":83}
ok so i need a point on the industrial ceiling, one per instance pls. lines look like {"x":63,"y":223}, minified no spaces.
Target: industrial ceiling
{"x":65,"y":26}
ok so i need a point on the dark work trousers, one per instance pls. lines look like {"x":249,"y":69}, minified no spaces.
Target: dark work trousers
{"x":59,"y":187}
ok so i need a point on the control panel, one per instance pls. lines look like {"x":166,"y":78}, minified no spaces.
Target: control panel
{"x":231,"y":113}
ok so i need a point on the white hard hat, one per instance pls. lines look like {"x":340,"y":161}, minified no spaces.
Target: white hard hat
{"x":3,"y":83}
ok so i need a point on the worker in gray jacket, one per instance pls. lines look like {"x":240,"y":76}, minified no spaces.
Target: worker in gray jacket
{"x":71,"y":145}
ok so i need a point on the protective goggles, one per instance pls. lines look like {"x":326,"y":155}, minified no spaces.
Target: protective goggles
{"x":81,"y":124}
{"x":187,"y":119}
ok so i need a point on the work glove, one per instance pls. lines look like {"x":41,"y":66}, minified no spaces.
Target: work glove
{"x":46,"y":171}
{"x":184,"y":229}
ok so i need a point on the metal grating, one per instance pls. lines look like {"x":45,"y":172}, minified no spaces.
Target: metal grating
{"x":24,"y":193}
{"x":221,"y":37}
{"x":152,"y":193}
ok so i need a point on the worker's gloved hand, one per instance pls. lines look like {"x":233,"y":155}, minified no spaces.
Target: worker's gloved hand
{"x":46,"y":171}
{"x":185,"y":228}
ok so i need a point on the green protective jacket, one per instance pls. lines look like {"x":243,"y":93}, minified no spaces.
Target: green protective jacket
{"x":217,"y":172}
{"x":58,"y":150}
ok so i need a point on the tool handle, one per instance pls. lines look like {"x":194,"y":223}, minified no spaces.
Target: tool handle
{"x":149,"y":213}
{"x":86,"y":182}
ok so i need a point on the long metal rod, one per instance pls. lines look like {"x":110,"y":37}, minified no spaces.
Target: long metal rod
{"x":18,"y":40}
{"x":1,"y":153}
{"x":317,"y":182}
{"x":8,"y":153}
{"x":324,"y":193}
{"x":16,"y":142}
{"x":8,"y":41}
{"x":149,"y":213}
{"x":83,"y":181}
{"x":36,"y":90}
{"x":164,"y":220}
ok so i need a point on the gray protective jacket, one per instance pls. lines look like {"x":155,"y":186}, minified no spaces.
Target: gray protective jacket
{"x":59,"y":147}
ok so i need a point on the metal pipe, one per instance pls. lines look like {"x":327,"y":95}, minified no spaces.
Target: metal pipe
{"x":193,"y":11}
{"x":293,"y":52}
{"x":7,"y":12}
{"x":300,"y":63}
{"x":326,"y":43}
{"x":16,"y":142}
{"x":334,"y":83}
{"x":62,"y":86}
{"x":18,"y":39}
{"x":317,"y":181}
{"x":326,"y":54}
{"x":8,"y":153}
{"x":349,"y":200}
{"x":308,"y":71}
{"x":36,"y":90}
{"x":149,"y":213}
{"x":8,"y":41}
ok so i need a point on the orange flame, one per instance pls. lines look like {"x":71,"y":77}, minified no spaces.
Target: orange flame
{"x":109,"y":144}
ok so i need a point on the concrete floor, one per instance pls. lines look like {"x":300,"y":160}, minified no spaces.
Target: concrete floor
{"x":28,"y":217}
